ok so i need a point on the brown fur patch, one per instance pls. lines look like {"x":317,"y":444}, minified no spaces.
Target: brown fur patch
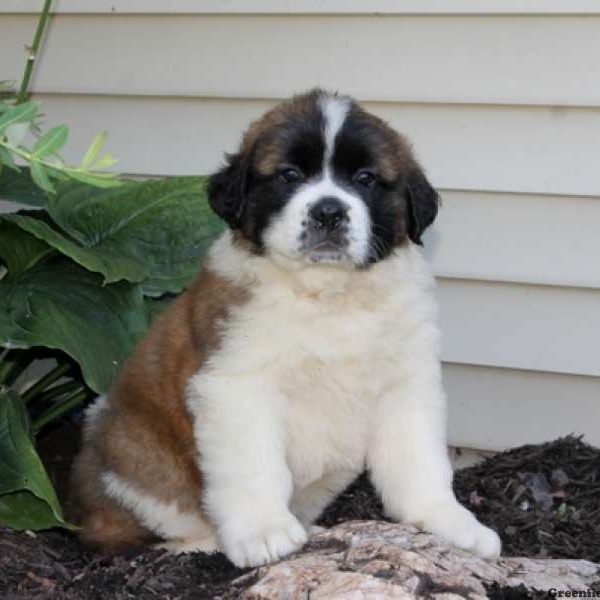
{"x":105,"y":524}
{"x":145,"y":435}
{"x":270,"y":130}
{"x":393,"y":151}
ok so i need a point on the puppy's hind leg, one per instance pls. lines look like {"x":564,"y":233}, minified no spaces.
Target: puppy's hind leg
{"x":117,"y":515}
{"x":183,"y":530}
{"x":104,"y":523}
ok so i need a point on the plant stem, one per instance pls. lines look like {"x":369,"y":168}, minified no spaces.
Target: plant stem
{"x":3,"y":354}
{"x":4,"y":363}
{"x":28,"y":156}
{"x":43,"y":20}
{"x":13,"y":365}
{"x":60,"y":168}
{"x":58,"y":410}
{"x":57,"y":391}
{"x":47,"y":380}
{"x":7,"y":363}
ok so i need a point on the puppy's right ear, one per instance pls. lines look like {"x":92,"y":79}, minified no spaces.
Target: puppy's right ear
{"x":227,"y":190}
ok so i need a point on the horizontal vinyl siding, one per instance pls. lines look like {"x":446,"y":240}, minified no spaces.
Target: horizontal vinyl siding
{"x":503,"y":111}
{"x":394,"y":58}
{"x":534,"y":150}
{"x":536,"y":239}
{"x":494,"y":408}
{"x":341,"y":7}
{"x":521,"y":326}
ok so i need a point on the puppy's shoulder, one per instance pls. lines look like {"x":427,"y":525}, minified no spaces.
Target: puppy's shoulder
{"x":179,"y":341}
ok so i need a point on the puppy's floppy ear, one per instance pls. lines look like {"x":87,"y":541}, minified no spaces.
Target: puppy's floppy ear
{"x":422,"y":204}
{"x":227,"y":189}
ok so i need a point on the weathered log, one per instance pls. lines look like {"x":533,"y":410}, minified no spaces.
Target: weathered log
{"x":374,"y":559}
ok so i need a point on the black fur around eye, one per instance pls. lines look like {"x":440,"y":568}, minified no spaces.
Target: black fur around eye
{"x":290,"y":175}
{"x":365,"y":178}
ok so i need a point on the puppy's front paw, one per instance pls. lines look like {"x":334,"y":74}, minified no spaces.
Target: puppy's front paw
{"x":252,"y":545}
{"x":456,"y":524}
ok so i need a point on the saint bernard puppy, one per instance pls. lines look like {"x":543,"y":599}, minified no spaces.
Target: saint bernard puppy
{"x":306,"y":350}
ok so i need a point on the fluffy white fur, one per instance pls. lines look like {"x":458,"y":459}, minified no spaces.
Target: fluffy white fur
{"x":325,"y":370}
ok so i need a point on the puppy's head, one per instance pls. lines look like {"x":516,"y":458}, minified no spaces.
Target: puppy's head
{"x":320,"y":180}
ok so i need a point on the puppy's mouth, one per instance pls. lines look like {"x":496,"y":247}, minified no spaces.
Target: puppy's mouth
{"x":325,"y":247}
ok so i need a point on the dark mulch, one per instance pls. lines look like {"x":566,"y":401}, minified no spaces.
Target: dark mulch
{"x":54,"y":565}
{"x":543,"y":500}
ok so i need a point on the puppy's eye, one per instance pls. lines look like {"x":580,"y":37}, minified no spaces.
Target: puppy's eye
{"x":290,"y":175}
{"x":365,"y":178}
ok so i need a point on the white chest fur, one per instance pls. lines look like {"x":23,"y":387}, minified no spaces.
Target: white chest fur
{"x":322,"y":370}
{"x":322,"y":345}
{"x":330,"y":373}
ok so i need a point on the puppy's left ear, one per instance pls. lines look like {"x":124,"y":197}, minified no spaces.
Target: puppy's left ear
{"x":227,"y":189}
{"x":422,"y":205}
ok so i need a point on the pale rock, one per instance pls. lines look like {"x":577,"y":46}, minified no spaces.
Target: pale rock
{"x":368,"y":560}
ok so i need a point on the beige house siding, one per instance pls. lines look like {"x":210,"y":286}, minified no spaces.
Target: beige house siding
{"x":501,"y":100}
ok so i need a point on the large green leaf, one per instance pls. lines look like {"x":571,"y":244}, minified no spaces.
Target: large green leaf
{"x":20,"y":187}
{"x":20,"y":250}
{"x":57,"y":304}
{"x":46,"y":231}
{"x":27,"y":498}
{"x":24,"y":510}
{"x":154,"y":232}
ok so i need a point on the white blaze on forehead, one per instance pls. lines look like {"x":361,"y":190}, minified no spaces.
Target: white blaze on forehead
{"x":334,"y":110}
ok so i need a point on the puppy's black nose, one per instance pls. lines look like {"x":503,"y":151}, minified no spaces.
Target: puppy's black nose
{"x":328,"y":212}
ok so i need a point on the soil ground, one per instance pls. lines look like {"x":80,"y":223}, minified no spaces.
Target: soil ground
{"x":544,"y":501}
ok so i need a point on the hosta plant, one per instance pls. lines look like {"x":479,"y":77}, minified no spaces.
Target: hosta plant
{"x":85,"y":262}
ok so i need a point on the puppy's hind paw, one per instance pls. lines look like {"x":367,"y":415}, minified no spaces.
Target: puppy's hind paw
{"x":182,"y":546}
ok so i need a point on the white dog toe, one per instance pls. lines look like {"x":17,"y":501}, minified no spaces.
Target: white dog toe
{"x":456,"y":524}
{"x":261,"y":545}
{"x":488,"y":544}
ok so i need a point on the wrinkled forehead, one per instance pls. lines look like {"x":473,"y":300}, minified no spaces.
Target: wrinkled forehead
{"x":325,"y":132}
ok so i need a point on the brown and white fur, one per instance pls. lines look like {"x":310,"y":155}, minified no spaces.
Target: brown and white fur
{"x":306,"y":350}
